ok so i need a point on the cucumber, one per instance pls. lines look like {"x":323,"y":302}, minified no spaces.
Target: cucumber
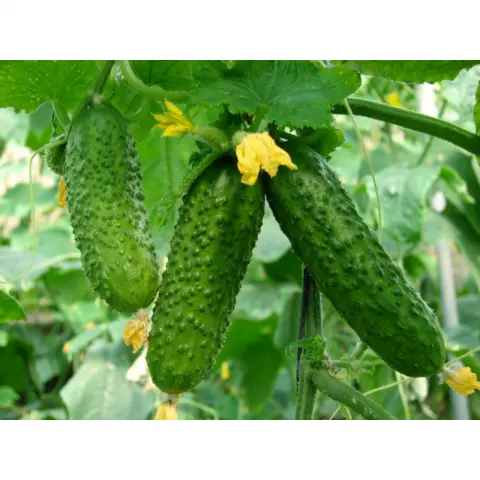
{"x":106,"y":204}
{"x":351,"y":267}
{"x":55,"y":156}
{"x":211,"y":247}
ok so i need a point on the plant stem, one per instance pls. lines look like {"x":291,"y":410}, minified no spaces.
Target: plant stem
{"x":154,"y":91}
{"x":259,"y":114}
{"x":428,"y":145}
{"x":311,"y":324}
{"x":346,"y":412}
{"x":414,"y":121}
{"x":96,"y":89}
{"x":348,"y":396}
{"x":102,"y":77}
{"x":403,"y":396}
{"x":467,"y":354}
{"x":62,"y":116}
{"x":359,"y":350}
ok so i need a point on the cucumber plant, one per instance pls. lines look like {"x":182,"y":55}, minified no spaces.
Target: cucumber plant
{"x":124,"y":180}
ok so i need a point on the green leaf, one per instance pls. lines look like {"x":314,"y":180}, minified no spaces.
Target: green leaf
{"x":261,"y":363}
{"x":328,"y":141}
{"x":465,"y":193}
{"x":462,"y":337}
{"x":402,"y":196}
{"x":288,"y":268}
{"x":295,"y":93}
{"x":3,"y":338}
{"x":272,"y":243}
{"x":171,"y":75}
{"x":261,"y":300}
{"x":469,"y":311}
{"x":288,"y":322}
{"x":456,"y":183}
{"x":415,"y":71}
{"x":164,"y":164}
{"x":40,"y":126}
{"x":13,"y":125}
{"x":26,"y":84}
{"x":100,"y":391}
{"x":13,"y":262}
{"x":10,"y":309}
{"x":81,"y":341}
{"x":476,"y":111}
{"x":16,"y":201}
{"x":68,"y":286}
{"x":8,"y":397}
{"x":465,"y":236}
{"x":251,"y":344}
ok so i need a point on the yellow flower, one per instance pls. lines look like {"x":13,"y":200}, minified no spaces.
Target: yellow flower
{"x":462,"y":380}
{"x":62,"y":193}
{"x":393,"y":99}
{"x":66,"y":347}
{"x":259,"y":151}
{"x":167,"y":411}
{"x":89,"y":326}
{"x":174,"y":122}
{"x":136,"y":330}
{"x":225,"y":371}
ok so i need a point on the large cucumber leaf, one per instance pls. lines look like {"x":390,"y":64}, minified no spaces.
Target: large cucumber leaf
{"x":415,"y":71}
{"x":26,"y":84}
{"x":294,"y":93}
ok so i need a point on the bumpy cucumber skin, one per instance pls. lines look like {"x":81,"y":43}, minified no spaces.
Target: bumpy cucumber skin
{"x":211,"y":247}
{"x":351,"y":267}
{"x":55,"y":157}
{"x":106,"y":204}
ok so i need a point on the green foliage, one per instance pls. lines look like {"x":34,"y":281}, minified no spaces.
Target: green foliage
{"x":476,"y":114}
{"x":415,"y":71}
{"x":295,"y":93}
{"x":10,"y":310}
{"x":25,"y":85}
{"x":100,"y":391}
{"x":402,"y":197}
{"x":69,"y":361}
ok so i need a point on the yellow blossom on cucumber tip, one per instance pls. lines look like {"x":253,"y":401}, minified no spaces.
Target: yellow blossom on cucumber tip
{"x":136,"y":330}
{"x":174,"y":122}
{"x":62,"y":193}
{"x":462,"y":380}
{"x":258,"y":151}
{"x":167,"y":410}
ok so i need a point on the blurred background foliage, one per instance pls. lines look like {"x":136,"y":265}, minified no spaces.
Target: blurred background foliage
{"x":68,"y":360}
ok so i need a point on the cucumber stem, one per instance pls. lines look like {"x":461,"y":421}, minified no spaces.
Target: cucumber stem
{"x":413,"y":121}
{"x":259,"y":115}
{"x":311,"y":324}
{"x":154,"y":91}
{"x":348,"y":396}
{"x":62,"y":116}
{"x":96,"y":89}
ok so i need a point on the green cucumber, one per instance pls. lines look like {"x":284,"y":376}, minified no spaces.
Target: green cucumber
{"x":211,"y":247}
{"x":106,"y":204}
{"x":351,"y":267}
{"x":55,"y":156}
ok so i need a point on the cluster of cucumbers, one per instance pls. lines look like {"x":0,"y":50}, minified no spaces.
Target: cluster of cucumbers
{"x":215,"y":234}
